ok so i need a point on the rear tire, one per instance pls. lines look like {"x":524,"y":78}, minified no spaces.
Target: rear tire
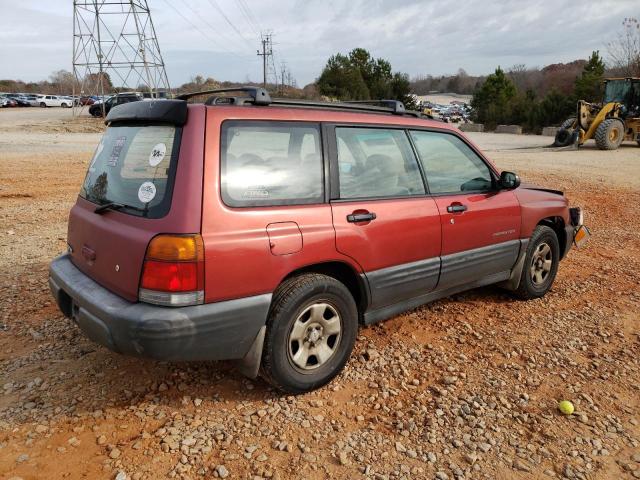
{"x":311,"y":330}
{"x":43,"y":105}
{"x":568,"y":123}
{"x":540,"y":264}
{"x":609,"y":134}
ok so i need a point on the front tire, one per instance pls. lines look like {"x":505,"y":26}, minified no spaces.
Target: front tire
{"x":311,"y":331}
{"x":43,"y":105}
{"x":609,"y":134}
{"x":540,"y":264}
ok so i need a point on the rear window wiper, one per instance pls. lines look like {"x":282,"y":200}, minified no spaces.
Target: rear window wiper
{"x":116,"y":206}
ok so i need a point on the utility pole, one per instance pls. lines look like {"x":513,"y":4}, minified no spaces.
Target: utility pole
{"x":267,"y":51}
{"x":283,"y":72}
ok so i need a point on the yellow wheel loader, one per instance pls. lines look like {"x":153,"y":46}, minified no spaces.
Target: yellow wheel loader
{"x":608,"y":123}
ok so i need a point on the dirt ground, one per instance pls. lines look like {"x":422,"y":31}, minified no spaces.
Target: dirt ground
{"x":466,"y":387}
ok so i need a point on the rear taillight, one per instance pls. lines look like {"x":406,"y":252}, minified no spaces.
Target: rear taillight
{"x":173,"y":271}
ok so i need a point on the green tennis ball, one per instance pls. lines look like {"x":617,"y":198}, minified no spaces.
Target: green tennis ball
{"x":566,"y":407}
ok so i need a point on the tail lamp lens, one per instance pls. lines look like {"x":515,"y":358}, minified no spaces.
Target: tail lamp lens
{"x":173,"y":272}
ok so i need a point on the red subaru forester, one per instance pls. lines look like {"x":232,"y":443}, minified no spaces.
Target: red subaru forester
{"x":267,"y":231}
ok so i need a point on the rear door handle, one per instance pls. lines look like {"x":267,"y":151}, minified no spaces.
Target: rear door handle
{"x":456,"y":208}
{"x":361,"y":217}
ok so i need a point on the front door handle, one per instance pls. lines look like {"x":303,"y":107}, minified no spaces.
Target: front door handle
{"x":361,"y":217}
{"x":456,"y":208}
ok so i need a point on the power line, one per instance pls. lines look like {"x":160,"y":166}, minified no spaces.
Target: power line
{"x":195,"y":27}
{"x":215,"y":5}
{"x":246,"y":13}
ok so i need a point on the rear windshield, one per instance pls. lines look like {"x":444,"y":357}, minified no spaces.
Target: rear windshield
{"x":134,"y":166}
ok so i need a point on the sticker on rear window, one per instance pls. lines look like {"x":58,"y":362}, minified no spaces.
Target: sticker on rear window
{"x":157,"y":154}
{"x":146,"y":192}
{"x":116,"y":151}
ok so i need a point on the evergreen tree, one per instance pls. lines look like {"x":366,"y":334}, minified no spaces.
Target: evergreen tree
{"x":589,"y":85}
{"x":358,"y":76}
{"x":492,"y":101}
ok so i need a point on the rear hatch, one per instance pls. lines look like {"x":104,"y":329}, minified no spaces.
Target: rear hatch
{"x":145,"y":178}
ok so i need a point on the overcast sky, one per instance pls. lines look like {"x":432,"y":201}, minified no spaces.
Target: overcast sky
{"x":417,"y":36}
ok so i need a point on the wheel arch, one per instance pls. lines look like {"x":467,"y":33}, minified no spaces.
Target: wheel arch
{"x":557,"y":224}
{"x":344,"y":273}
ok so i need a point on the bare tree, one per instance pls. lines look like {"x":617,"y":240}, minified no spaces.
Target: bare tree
{"x":519,"y":76}
{"x":624,"y":51}
{"x":62,"y":81}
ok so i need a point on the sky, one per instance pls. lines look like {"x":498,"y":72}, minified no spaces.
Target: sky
{"x":418,"y":37}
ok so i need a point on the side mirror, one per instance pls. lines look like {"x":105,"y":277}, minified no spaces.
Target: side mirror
{"x":509,"y":180}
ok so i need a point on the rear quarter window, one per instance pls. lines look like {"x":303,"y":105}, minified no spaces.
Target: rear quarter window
{"x":266,"y":163}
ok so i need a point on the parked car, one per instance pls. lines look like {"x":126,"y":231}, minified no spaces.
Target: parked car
{"x":268,"y":231}
{"x":119,"y":99}
{"x":34,"y":100}
{"x":84,"y":100}
{"x":6,"y":102}
{"x":22,"y":101}
{"x":54,"y":101}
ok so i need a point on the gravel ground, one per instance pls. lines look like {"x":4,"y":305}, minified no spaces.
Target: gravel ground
{"x":466,"y":387}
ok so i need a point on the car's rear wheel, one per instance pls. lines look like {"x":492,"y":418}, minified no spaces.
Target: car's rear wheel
{"x":64,"y":105}
{"x":540,"y":263}
{"x":43,"y":105}
{"x":311,"y":330}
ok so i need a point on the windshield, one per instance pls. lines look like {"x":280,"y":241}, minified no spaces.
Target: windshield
{"x":134,"y":166}
{"x":617,"y":91}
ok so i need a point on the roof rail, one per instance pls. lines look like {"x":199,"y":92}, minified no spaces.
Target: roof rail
{"x":395,"y":105}
{"x":259,"y":95}
{"x":371,"y":106}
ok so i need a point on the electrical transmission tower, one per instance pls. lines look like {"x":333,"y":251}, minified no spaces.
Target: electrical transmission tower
{"x":115,"y":41}
{"x":266,"y":53}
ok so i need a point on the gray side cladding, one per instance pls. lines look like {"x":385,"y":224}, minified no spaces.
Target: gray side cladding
{"x":401,"y":282}
{"x":393,"y":284}
{"x":470,"y":265}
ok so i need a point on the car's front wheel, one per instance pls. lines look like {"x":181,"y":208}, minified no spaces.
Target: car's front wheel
{"x":311,"y":330}
{"x":540,"y":264}
{"x":43,"y":105}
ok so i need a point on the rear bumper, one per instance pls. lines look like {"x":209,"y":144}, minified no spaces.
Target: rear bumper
{"x":214,"y":331}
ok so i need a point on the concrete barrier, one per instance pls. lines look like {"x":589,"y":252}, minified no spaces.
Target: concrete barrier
{"x":550,"y":131}
{"x":515,"y":129}
{"x":472,"y":127}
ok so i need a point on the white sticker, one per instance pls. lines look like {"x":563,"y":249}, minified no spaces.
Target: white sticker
{"x":157,"y":154}
{"x":146,"y":192}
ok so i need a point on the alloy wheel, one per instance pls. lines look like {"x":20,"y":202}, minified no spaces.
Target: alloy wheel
{"x":541,"y":262}
{"x":315,"y":336}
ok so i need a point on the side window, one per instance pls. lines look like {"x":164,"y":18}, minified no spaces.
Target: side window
{"x":271,"y":163}
{"x":376,"y":162}
{"x":450,"y":165}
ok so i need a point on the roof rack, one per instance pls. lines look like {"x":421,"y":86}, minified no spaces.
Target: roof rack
{"x":371,"y":106}
{"x":396,"y":105}
{"x":259,"y":95}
